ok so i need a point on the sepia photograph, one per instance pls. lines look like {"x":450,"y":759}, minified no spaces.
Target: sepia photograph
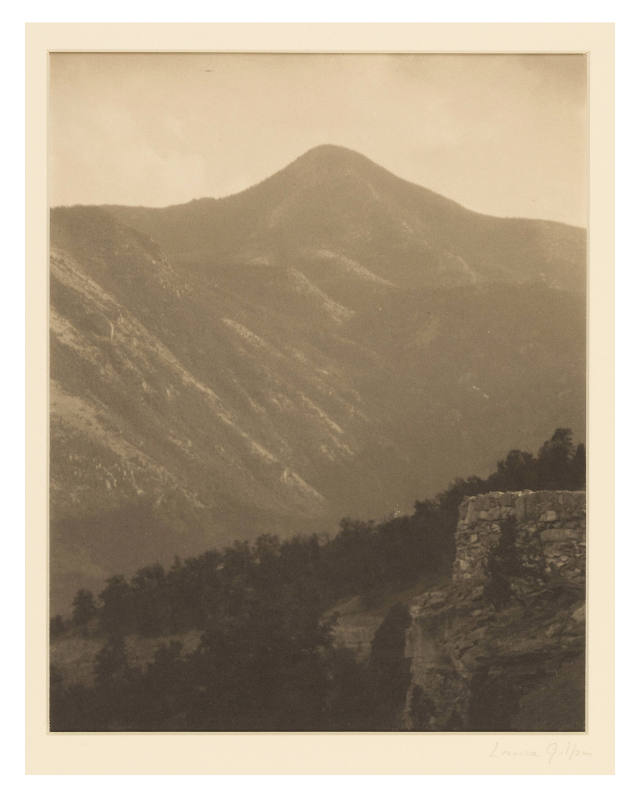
{"x":317,"y":392}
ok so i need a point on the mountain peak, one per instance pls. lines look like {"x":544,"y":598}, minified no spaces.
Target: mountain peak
{"x":332,"y":155}
{"x":334,"y":200}
{"x":329,"y":150}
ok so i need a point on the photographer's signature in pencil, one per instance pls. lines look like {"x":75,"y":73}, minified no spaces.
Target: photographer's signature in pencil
{"x":554,"y":752}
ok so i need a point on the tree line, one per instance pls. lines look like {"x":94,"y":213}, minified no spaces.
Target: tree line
{"x":266,"y":658}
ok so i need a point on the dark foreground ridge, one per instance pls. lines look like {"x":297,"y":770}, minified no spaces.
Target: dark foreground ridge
{"x":480,"y":602}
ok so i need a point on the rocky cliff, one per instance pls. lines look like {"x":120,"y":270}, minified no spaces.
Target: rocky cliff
{"x":502,"y":646}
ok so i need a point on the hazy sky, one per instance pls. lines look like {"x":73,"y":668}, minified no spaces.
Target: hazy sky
{"x":505,"y":135}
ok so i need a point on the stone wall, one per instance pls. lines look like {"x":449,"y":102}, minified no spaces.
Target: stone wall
{"x":549,"y":540}
{"x":501,"y":646}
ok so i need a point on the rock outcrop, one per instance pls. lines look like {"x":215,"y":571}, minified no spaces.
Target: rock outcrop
{"x":502,"y":646}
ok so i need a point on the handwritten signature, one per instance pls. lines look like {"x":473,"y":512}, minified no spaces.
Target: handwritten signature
{"x":554,"y":751}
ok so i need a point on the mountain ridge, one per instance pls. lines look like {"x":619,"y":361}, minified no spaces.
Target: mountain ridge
{"x":319,"y":150}
{"x":337,"y":200}
{"x":315,"y":351}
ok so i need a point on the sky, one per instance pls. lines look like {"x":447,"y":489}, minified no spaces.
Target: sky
{"x":500,"y":134}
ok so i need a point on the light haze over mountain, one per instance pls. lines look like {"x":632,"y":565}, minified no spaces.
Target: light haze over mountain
{"x":332,"y":341}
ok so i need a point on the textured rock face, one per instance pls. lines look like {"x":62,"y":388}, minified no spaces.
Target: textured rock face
{"x":549,"y":536}
{"x":502,"y":647}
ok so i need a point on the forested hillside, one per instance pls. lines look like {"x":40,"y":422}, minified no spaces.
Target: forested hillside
{"x":266,"y":659}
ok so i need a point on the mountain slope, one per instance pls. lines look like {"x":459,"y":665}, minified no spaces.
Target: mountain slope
{"x":333,"y":203}
{"x":309,"y":349}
